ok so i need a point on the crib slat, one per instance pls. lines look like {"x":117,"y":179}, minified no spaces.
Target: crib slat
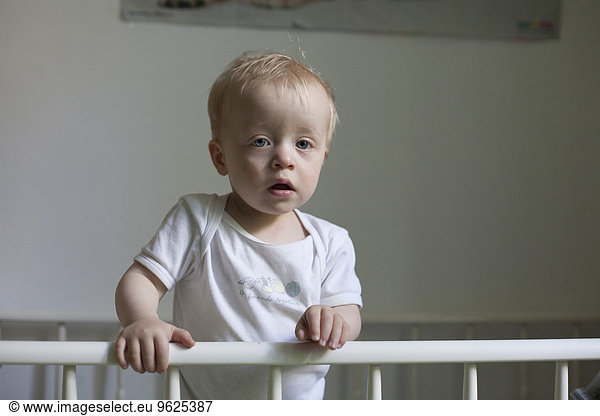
{"x":561,"y":381}
{"x":575,"y":366}
{"x":275,"y":385}
{"x":374,"y":382}
{"x":524,"y":368}
{"x":61,"y":335}
{"x":69,"y":384}
{"x":414,"y":368}
{"x":173,"y":384}
{"x":120,"y":391}
{"x":470,"y":382}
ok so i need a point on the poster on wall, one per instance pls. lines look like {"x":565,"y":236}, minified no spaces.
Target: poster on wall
{"x":506,"y":19}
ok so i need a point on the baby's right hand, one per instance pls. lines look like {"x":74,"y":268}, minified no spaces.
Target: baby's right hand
{"x":144,"y":344}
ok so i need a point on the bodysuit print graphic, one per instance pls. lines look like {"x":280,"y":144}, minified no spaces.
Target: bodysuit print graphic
{"x":270,"y":289}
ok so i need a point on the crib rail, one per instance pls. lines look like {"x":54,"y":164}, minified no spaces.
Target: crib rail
{"x":273,"y":354}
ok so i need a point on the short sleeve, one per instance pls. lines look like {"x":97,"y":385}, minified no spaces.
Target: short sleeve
{"x":340,"y":285}
{"x":172,"y":252}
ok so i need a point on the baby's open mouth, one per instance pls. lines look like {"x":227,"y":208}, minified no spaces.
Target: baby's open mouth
{"x":282,"y":187}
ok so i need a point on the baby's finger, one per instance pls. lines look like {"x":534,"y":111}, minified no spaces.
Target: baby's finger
{"x":183,"y":337}
{"x":345,"y":335}
{"x":326,"y":326}
{"x":148,"y":355}
{"x":301,"y":330}
{"x":162,"y":355}
{"x":133,"y":355}
{"x":312,"y":318}
{"x":120,"y":345}
{"x":336,"y":332}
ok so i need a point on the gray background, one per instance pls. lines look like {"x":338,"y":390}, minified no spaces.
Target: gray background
{"x":466,"y":170}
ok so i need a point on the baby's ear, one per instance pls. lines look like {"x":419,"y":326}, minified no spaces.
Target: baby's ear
{"x":217,"y":156}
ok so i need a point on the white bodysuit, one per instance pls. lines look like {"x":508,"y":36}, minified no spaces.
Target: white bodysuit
{"x":230,"y":286}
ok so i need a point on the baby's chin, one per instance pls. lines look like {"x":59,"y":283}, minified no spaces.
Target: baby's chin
{"x":272,"y":206}
{"x":280,"y":209}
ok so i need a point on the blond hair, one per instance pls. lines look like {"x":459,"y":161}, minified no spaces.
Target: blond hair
{"x":252,"y":70}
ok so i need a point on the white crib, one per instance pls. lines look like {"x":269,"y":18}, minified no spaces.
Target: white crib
{"x":373,"y":353}
{"x":523,"y":367}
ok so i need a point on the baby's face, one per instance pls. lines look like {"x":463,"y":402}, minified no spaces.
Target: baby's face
{"x":273,"y":146}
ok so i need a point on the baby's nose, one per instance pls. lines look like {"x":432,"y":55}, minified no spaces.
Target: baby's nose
{"x":283,"y":160}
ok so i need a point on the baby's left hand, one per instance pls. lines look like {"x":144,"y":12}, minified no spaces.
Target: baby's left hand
{"x":325,"y":325}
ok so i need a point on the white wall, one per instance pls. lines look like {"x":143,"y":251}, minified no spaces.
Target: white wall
{"x":466,"y":170}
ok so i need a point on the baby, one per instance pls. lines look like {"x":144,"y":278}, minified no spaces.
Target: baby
{"x":249,"y":266}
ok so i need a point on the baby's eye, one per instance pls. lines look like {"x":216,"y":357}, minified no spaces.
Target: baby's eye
{"x":303,"y":144}
{"x":260,"y":142}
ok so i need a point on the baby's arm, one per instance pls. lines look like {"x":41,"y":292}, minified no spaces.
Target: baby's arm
{"x":144,"y":341}
{"x":330,"y":326}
